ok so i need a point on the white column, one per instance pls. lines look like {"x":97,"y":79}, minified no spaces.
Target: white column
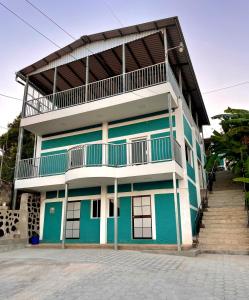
{"x":165,"y":41}
{"x":103,"y":215}
{"x":87,"y":78}
{"x":178,"y":237}
{"x":115,"y":214}
{"x":105,"y":141}
{"x":123,"y":66}
{"x":183,"y":183}
{"x":64,"y":217}
{"x":180,"y":79}
{"x":197,"y":179}
{"x":171,"y":127}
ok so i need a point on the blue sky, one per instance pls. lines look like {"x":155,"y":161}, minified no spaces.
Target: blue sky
{"x":216,"y":33}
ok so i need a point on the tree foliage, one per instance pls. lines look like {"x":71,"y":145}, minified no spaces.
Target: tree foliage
{"x":8,"y":142}
{"x":232,"y":142}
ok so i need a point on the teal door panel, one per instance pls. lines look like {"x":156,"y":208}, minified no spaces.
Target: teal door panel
{"x":52,"y":222}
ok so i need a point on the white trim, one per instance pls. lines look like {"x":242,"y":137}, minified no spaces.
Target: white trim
{"x":132,"y":136}
{"x":140,"y":120}
{"x":91,"y":216}
{"x":153,"y":216}
{"x":193,"y":207}
{"x":61,"y":135}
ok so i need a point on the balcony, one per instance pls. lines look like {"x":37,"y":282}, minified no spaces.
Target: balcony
{"x":144,"y":89}
{"x":125,"y":161}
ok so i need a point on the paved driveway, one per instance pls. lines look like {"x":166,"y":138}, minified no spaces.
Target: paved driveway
{"x":106,"y":274}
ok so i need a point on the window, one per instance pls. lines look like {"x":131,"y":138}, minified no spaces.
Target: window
{"x":96,"y":208}
{"x":77,"y":158}
{"x":139,"y":151}
{"x":141,"y":215}
{"x":73,"y":220}
{"x":189,"y":155}
{"x":111,"y":208}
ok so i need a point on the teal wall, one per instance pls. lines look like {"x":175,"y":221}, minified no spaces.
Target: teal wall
{"x":89,"y":227}
{"x":117,"y":154}
{"x":187,"y":130}
{"x":193,"y":214}
{"x":89,"y":191}
{"x":165,"y":222}
{"x":52,"y":223}
{"x":190,"y":171}
{"x":72,"y":140}
{"x":146,"y":126}
{"x":192,"y":194}
{"x":198,"y":150}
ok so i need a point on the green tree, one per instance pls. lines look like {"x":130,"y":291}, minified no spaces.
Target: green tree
{"x":8,"y":142}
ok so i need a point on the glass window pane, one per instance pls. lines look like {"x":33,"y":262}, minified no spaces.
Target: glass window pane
{"x":76,"y":205}
{"x":70,"y":214}
{"x":145,"y":200}
{"x":111,"y":208}
{"x":146,"y":210}
{"x":138,"y":232}
{"x":70,"y":206}
{"x":69,"y":225}
{"x":76,"y":225}
{"x":137,"y":201}
{"x":147,"y":232}
{"x":138,"y":222}
{"x":94,"y":209}
{"x":137,"y":211}
{"x":69,"y":233}
{"x":99,"y":206}
{"x":76,"y":233}
{"x":146,"y":222}
{"x":76,"y":214}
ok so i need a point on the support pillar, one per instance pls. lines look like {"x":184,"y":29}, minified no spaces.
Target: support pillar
{"x":103,"y":215}
{"x":105,"y":143}
{"x":186,"y":230}
{"x":166,"y":57}
{"x":123,"y":66}
{"x":178,"y":235}
{"x":64,"y":219}
{"x":180,"y":79}
{"x":20,"y":143}
{"x":54,"y":86}
{"x":87,"y":78}
{"x":115,"y":214}
{"x":171,"y":127}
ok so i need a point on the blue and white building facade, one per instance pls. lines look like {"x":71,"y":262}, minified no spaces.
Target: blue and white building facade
{"x":119,"y":153}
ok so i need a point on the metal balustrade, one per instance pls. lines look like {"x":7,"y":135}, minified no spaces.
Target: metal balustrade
{"x":128,"y":82}
{"x":137,"y":152}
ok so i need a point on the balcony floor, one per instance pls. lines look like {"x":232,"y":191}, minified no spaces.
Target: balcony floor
{"x":96,"y":176}
{"x":143,"y":101}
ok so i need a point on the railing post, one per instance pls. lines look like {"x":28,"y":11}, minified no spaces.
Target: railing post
{"x":54,"y":86}
{"x":180,"y":79}
{"x":105,"y":144}
{"x":20,"y":142}
{"x":115,"y":214}
{"x":64,"y":220}
{"x":123,"y":66}
{"x":87,"y":78}
{"x":171,"y":127}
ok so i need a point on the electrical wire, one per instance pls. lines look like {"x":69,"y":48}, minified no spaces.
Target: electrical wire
{"x":10,"y":97}
{"x":226,"y":87}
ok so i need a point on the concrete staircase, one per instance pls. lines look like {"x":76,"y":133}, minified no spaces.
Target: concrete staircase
{"x":225,"y":220}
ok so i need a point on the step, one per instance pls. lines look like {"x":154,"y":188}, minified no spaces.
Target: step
{"x":229,"y":235}
{"x":218,"y":214}
{"x":225,"y":209}
{"x":224,"y":241}
{"x":225,"y":230}
{"x":220,"y":205}
{"x":224,"y":221}
{"x":224,"y":250}
{"x":224,"y":217}
{"x":224,"y":225}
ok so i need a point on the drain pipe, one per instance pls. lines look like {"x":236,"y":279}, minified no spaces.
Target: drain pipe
{"x":64,"y":220}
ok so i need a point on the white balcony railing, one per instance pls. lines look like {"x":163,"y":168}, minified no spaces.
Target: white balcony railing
{"x":138,"y":79}
{"x":101,"y":154}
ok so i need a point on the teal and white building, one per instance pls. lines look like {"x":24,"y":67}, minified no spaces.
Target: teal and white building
{"x":119,"y":152}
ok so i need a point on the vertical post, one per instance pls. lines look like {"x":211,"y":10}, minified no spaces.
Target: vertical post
{"x":87,"y":78}
{"x":178,"y":237}
{"x":189,"y":103}
{"x":64,"y":220}
{"x":171,"y":127}
{"x":165,"y":41}
{"x":105,"y":143}
{"x":123,"y":66}
{"x":115,"y":214}
{"x":20,"y":142}
{"x":54,"y":86}
{"x":103,"y":215}
{"x":180,"y":78}
{"x":197,"y":119}
{"x":1,"y":166}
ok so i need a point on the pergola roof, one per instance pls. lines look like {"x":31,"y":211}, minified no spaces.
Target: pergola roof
{"x":140,"y":53}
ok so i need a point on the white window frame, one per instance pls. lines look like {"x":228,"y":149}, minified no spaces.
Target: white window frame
{"x":190,"y":153}
{"x":137,"y":138}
